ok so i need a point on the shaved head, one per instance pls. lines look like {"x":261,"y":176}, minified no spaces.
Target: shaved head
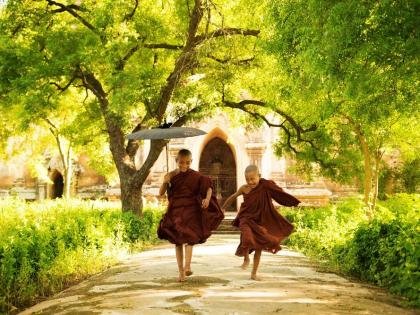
{"x":184,"y":153}
{"x":252,"y":168}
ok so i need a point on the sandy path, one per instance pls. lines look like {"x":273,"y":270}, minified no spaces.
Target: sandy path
{"x":145,"y":283}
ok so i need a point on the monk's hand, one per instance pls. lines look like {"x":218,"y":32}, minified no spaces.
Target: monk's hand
{"x":167,"y":178}
{"x":205,"y":203}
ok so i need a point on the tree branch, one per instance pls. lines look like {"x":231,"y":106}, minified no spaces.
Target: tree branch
{"x":188,"y":115}
{"x":225,"y":32}
{"x":156,"y":147}
{"x":289,"y":118}
{"x":116,"y":134}
{"x":63,"y":88}
{"x":70,"y":6}
{"x":122,"y":62}
{"x":71,"y":10}
{"x":49,"y":122}
{"x":183,"y":62}
{"x":231,"y":60}
{"x":133,"y":145}
{"x":299,"y":130}
{"x":164,"y":46}
{"x":54,"y":131}
{"x":130,"y":15}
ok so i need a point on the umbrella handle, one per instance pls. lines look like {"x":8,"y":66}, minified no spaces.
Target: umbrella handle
{"x":167,"y":158}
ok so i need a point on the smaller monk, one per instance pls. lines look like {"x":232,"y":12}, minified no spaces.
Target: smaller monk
{"x":193,"y":211}
{"x":262,"y":227}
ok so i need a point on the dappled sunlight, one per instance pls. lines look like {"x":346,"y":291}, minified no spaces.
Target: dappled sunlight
{"x":155,"y":253}
{"x":198,"y":250}
{"x":289,"y":253}
{"x":214,"y":250}
{"x":145,"y":294}
{"x":147,"y":284}
{"x":107,"y":287}
{"x":244,"y":294}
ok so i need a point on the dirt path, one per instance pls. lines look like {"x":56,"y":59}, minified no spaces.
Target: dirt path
{"x":146,"y":284}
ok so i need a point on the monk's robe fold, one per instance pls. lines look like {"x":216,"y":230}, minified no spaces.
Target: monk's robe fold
{"x":185,"y":221}
{"x":262,"y":227}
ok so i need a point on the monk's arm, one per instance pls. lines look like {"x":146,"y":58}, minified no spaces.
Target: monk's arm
{"x":163,"y":189}
{"x":206,"y":201}
{"x":209,"y":192}
{"x":280,"y":196}
{"x":164,"y":185}
{"x":231,"y":198}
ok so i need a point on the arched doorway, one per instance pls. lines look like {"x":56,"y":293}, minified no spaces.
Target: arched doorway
{"x":218,"y":162}
{"x":57,"y":186}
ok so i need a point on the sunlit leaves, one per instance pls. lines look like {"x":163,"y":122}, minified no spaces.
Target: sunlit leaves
{"x":348,"y":65}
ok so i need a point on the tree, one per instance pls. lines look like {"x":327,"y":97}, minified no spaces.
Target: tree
{"x":135,"y":61}
{"x":65,"y":134}
{"x":351,"y":69}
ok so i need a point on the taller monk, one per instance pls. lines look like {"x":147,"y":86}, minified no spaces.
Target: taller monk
{"x":262,"y":227}
{"x":193,"y":211}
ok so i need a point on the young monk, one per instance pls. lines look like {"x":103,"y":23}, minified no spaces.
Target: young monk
{"x":262,"y":227}
{"x":193,"y":211}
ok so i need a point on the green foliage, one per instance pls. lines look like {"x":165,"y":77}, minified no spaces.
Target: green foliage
{"x":97,"y":68}
{"x":46,"y":246}
{"x":42,"y":49}
{"x":410,"y":176}
{"x":351,"y":68}
{"x":384,"y":250}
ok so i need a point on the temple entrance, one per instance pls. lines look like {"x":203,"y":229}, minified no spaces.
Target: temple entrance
{"x":218,"y":162}
{"x":57,"y":186}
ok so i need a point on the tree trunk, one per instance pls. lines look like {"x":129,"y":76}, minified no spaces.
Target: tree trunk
{"x":367,"y":168}
{"x":131,"y":197}
{"x":68,"y":172}
{"x":131,"y":180}
{"x":378,"y":158}
{"x":375,"y":190}
{"x":364,"y":147}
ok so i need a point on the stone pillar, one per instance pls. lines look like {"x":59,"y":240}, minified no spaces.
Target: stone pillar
{"x":255,"y":153}
{"x":278,"y":171}
{"x":41,"y":190}
{"x":172,"y":155}
{"x":77,"y":169}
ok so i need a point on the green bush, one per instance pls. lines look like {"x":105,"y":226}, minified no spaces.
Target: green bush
{"x":384,"y":250}
{"x":45,"y":246}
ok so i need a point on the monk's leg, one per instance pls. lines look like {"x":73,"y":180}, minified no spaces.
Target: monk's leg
{"x":188,"y":257}
{"x":247,"y":241}
{"x":245,"y":264}
{"x":179,"y":250}
{"x":257,"y":257}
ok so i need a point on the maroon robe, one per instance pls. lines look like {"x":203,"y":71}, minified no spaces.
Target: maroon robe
{"x":262,"y":227}
{"x":185,"y":221}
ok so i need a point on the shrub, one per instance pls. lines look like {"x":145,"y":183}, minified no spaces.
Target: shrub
{"x":45,"y":246}
{"x":384,"y":250}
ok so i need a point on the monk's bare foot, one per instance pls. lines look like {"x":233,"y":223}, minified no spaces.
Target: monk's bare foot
{"x":181,"y":277}
{"x":245,"y":264}
{"x":188,"y":272}
{"x":255,"y":277}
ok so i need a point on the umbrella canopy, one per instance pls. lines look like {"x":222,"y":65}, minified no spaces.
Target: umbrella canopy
{"x":166,"y":133}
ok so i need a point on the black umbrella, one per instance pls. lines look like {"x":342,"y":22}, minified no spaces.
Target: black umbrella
{"x":166,"y":133}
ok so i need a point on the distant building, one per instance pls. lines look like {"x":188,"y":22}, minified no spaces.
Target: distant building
{"x":223,"y":154}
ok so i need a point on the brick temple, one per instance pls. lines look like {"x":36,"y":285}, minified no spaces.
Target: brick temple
{"x":223,"y":153}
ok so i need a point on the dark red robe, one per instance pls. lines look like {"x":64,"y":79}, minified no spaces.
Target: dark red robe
{"x":185,"y":221}
{"x":262,"y":227}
